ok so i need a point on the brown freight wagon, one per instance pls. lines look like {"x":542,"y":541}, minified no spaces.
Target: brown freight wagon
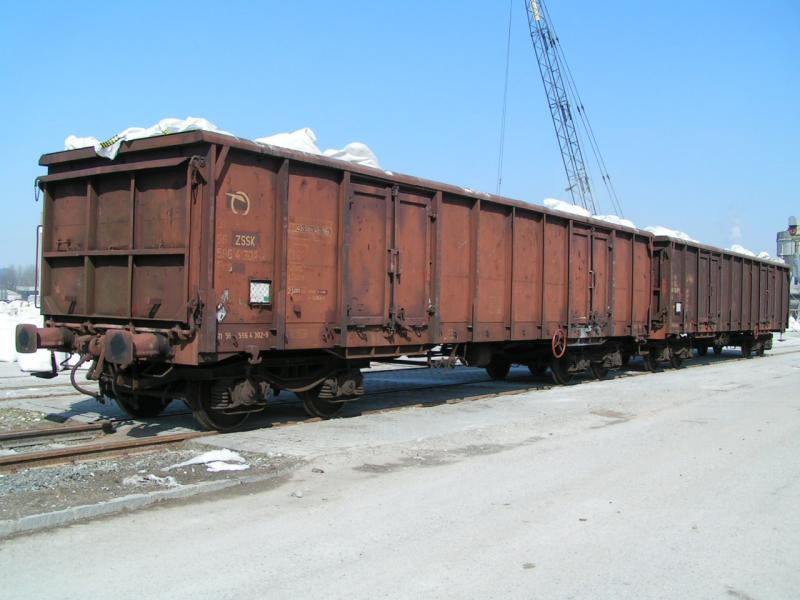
{"x":706,"y":297}
{"x":214,"y":269}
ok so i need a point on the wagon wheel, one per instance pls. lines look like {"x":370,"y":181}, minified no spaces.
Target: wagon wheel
{"x":675,"y":361}
{"x":537,"y":369}
{"x":212,"y":418}
{"x":135,"y":405}
{"x":558,"y":369}
{"x":498,"y":370}
{"x":717,"y":349}
{"x":316,"y":406}
{"x":598,"y":370}
{"x":141,"y":407}
{"x":559,"y":343}
{"x":702,"y":350}
{"x":650,"y":362}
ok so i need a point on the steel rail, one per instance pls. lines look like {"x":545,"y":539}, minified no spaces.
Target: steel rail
{"x":89,"y":449}
{"x":106,"y":426}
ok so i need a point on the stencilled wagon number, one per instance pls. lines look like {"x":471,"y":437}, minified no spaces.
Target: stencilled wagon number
{"x":313,"y":229}
{"x":245,"y":240}
{"x":229,"y":336}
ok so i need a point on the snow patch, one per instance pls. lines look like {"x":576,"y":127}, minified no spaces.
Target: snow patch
{"x":168,"y":481}
{"x":305,"y":140}
{"x":667,"y":232}
{"x":110,"y":147}
{"x":615,"y":220}
{"x":794,"y":325}
{"x":217,"y":466}
{"x":356,"y":153}
{"x":574,"y":209}
{"x":566,"y":207}
{"x":302,"y":140}
{"x":476,"y":192}
{"x":216,"y":460}
{"x":15,"y":313}
{"x":739,"y":249}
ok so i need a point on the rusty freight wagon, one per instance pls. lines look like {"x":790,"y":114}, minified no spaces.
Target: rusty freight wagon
{"x":215,"y":269}
{"x":706,"y":297}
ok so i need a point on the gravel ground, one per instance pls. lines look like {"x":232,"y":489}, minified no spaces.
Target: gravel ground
{"x":15,"y":419}
{"x":45,"y":489}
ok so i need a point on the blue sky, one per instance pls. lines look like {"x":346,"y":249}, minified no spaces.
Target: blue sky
{"x":695,"y":104}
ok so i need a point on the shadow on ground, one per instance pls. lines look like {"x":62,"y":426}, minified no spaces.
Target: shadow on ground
{"x":384,"y":389}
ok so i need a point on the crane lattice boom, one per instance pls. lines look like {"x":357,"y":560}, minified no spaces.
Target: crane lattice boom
{"x":545,"y":44}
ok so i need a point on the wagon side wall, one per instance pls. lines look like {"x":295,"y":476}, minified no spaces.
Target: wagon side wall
{"x":342,"y":257}
{"x":711,"y":291}
{"x":370,"y":263}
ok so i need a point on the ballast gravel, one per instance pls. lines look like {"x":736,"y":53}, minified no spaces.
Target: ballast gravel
{"x":35,"y":490}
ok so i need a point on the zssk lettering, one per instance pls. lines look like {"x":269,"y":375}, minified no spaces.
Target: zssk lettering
{"x":245,"y":240}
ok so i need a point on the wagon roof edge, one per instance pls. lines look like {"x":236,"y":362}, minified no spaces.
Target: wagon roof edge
{"x":200,"y":136}
{"x":660,"y":239}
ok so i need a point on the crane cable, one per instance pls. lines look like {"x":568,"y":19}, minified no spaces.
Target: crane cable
{"x":505,"y":101}
{"x":572,"y":90}
{"x":584,"y":118}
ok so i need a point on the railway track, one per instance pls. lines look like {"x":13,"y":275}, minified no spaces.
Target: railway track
{"x":537,"y":383}
{"x":67,"y":453}
{"x":67,"y":391}
{"x":95,"y":448}
{"x":30,"y":386}
{"x":108,"y":426}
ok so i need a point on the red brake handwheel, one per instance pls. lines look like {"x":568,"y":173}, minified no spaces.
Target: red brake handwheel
{"x":559,"y":343}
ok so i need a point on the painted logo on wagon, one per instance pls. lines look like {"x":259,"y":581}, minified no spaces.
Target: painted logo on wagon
{"x":240,"y":203}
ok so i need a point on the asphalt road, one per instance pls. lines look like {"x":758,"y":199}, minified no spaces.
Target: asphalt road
{"x":682,"y":484}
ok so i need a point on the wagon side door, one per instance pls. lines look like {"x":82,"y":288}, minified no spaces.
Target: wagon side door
{"x":410,"y":261}
{"x":367,"y":297}
{"x":747,"y":295}
{"x":765,"y":292}
{"x":599,"y":280}
{"x":715,"y":292}
{"x":388,"y":257}
{"x":579,"y":267}
{"x":703,"y":295}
